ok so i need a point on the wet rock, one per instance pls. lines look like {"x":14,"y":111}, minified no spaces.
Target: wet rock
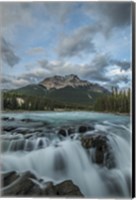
{"x":26,"y":184}
{"x":11,"y":119}
{"x":5,"y":118}
{"x":82,"y":129}
{"x":62,"y":132}
{"x":70,"y":131}
{"x":21,"y":185}
{"x":22,"y":130}
{"x":50,"y":190}
{"x":27,"y":120}
{"x":67,"y":188}
{"x":103,"y":150}
{"x":90,"y":128}
{"x":9,"y":128}
{"x":8,"y":178}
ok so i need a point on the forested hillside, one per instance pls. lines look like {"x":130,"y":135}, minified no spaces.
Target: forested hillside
{"x":118,"y":101}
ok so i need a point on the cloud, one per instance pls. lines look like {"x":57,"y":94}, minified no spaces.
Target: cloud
{"x":97,"y":67}
{"x":8,"y":54}
{"x":15,"y":13}
{"x":110,"y":14}
{"x":13,"y":82}
{"x":124,"y":65}
{"x":80,"y":42}
{"x":98,"y":70}
{"x":36,"y":50}
{"x":59,"y":10}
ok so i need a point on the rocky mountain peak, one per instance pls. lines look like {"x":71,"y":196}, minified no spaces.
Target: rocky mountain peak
{"x":59,"y":82}
{"x":71,"y":80}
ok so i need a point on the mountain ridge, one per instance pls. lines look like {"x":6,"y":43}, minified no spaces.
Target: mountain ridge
{"x":72,"y":80}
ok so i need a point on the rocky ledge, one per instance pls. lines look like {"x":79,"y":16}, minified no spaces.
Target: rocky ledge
{"x":103,"y":154}
{"x":27,"y":184}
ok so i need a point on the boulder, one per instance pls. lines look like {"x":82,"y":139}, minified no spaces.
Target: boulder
{"x":9,"y":128}
{"x":22,"y":130}
{"x":50,"y":190}
{"x":71,"y":131}
{"x":27,"y":120}
{"x":62,"y":132}
{"x":21,"y":185}
{"x":66,"y":188}
{"x":82,"y":129}
{"x":11,"y":119}
{"x":103,"y":150}
{"x":26,"y":184}
{"x":8,"y":178}
{"x":5,"y":118}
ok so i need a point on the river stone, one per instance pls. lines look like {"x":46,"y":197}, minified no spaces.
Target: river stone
{"x":22,"y":130}
{"x":82,"y":129}
{"x":9,"y":128}
{"x":21,"y":185}
{"x":66,"y":188}
{"x":5,"y":118}
{"x":8,"y":178}
{"x":50,"y":190}
{"x":26,"y":184}
{"x":62,"y":132}
{"x":71,"y":131}
{"x":103,"y":150}
{"x":27,"y":120}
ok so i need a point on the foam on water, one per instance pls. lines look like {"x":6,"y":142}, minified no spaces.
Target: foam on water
{"x":58,"y":159}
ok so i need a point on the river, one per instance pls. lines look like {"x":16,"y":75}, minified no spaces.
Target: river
{"x":35,"y":143}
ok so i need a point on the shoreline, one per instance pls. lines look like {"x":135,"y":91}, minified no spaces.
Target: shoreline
{"x":64,"y":110}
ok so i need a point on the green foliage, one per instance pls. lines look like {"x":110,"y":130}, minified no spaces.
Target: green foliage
{"x":11,"y":102}
{"x":118,"y":101}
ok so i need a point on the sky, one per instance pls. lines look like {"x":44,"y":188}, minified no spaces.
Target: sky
{"x":89,"y":39}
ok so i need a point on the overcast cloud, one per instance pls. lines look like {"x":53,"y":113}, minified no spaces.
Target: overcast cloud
{"x":89,"y":39}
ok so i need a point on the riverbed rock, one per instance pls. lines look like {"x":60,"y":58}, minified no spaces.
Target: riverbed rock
{"x":22,"y":130}
{"x":26,"y":184}
{"x":19,"y":184}
{"x":70,"y":131}
{"x":8,"y":178}
{"x":5,"y":118}
{"x":62,"y":132}
{"x":27,"y":120}
{"x":103,"y":150}
{"x":85,"y":128}
{"x":9,"y":128}
{"x":66,"y":188}
{"x":82,"y":129}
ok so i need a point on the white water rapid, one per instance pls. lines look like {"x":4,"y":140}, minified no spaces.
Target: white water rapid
{"x":54,"y":157}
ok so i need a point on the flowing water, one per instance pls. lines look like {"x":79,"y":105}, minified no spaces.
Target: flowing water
{"x":34,"y":144}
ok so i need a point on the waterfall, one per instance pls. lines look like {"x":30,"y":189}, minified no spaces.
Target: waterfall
{"x":58,"y":159}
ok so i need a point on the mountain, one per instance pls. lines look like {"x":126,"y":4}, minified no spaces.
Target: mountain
{"x":59,"y":82}
{"x":67,"y":90}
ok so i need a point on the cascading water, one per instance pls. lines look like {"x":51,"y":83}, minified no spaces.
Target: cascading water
{"x":57,"y":158}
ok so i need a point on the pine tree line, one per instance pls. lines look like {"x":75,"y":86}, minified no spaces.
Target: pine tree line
{"x":117,"y":101}
{"x":11,"y":102}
